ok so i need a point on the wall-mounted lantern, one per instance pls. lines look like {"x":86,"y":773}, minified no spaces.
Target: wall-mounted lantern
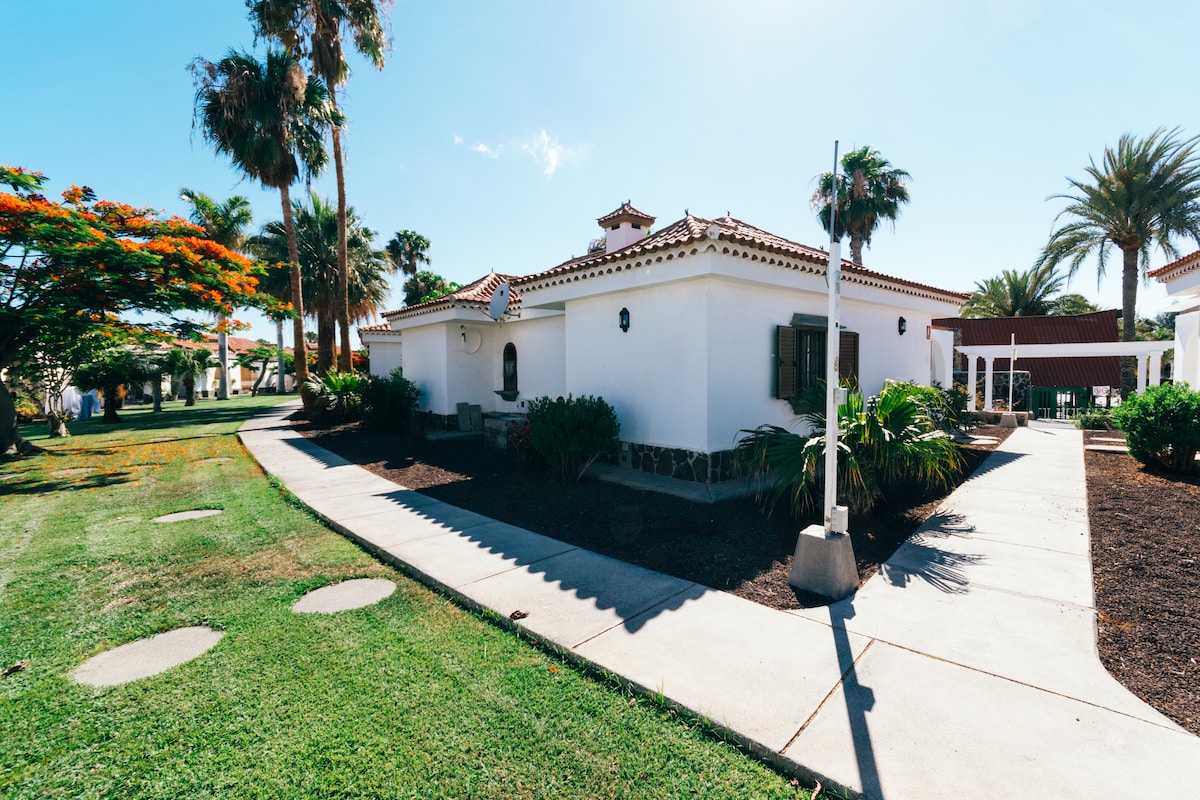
{"x":623,"y":318}
{"x":902,"y":325}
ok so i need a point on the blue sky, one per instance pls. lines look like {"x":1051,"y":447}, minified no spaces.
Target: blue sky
{"x":502,"y":130}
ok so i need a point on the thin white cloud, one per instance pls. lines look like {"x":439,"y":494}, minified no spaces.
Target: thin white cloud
{"x":547,"y":151}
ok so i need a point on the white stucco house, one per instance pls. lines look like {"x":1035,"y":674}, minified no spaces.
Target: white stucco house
{"x":692,"y":332}
{"x":1182,"y":281}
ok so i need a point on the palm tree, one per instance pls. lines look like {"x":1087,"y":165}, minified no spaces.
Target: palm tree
{"x":1024,"y":294}
{"x":1142,"y":194}
{"x":408,"y":251}
{"x":225,"y":223}
{"x":324,"y":22}
{"x":270,"y":120}
{"x":869,"y":190}
{"x":316,"y":234}
{"x":426,"y":285}
{"x":186,"y":363}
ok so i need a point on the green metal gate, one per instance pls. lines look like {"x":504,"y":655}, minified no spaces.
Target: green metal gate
{"x":1058,"y":403}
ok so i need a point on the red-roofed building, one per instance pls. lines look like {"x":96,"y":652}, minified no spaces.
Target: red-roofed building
{"x":1100,"y":326}
{"x":692,"y":332}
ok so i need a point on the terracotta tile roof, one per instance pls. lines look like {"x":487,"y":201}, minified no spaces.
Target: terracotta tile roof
{"x":474,"y":295}
{"x":1180,"y":266}
{"x":381,"y":326}
{"x":1100,"y":326}
{"x":736,"y":234}
{"x":626,"y":211}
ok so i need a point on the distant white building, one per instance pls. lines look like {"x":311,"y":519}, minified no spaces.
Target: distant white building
{"x":1182,"y":280}
{"x":693,"y":333}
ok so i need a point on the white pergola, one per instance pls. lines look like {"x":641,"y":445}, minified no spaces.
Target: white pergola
{"x":1148,"y":355}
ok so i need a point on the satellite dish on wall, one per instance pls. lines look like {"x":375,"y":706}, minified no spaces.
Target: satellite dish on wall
{"x":499,"y":303}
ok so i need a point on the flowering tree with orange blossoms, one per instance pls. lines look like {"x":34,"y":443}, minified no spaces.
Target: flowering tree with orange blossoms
{"x":73,"y":267}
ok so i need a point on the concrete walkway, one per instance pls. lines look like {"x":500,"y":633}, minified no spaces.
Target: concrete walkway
{"x":966,"y":668}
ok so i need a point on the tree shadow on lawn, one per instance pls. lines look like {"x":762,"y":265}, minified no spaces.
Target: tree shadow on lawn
{"x":99,"y":479}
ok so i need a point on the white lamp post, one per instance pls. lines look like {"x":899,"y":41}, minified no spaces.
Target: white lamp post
{"x":823,"y":561}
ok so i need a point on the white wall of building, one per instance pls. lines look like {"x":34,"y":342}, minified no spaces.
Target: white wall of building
{"x":1187,"y":349}
{"x":541,"y":360}
{"x":425,"y":365}
{"x":385,"y":355}
{"x":656,"y":374}
{"x":741,"y":340}
{"x":941,"y":367}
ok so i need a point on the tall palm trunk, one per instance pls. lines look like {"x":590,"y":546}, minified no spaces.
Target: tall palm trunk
{"x":223,"y":356}
{"x":110,"y":405}
{"x":326,"y":336}
{"x":301,"y":360}
{"x":856,"y":246}
{"x":1129,"y":279}
{"x":282,"y":366}
{"x":343,"y":258}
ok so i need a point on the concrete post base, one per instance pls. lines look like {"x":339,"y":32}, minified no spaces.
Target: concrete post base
{"x":824,"y":563}
{"x":1008,"y":420}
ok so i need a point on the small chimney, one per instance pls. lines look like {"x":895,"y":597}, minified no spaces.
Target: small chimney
{"x":624,"y":226}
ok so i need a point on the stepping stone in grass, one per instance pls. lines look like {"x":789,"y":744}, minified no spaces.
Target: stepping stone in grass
{"x":76,"y":471}
{"x":217,"y":460}
{"x":1110,"y":439}
{"x":1107,"y":448}
{"x":343,"y":596}
{"x":147,"y":657}
{"x":179,"y":516}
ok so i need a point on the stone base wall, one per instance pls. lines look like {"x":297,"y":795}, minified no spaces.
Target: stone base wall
{"x":438,"y":422}
{"x":671,"y":462}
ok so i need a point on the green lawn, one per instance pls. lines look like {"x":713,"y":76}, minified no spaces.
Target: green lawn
{"x":413,"y":697}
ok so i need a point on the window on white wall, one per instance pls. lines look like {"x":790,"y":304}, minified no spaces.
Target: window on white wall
{"x":510,"y":367}
{"x":800,"y":358}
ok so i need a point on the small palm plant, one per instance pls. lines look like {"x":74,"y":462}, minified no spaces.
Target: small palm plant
{"x":337,"y":394}
{"x":886,"y":440}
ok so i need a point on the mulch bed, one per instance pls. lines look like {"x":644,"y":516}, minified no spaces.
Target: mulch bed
{"x":1145,"y":548}
{"x":1145,"y":530}
{"x":732,"y":545}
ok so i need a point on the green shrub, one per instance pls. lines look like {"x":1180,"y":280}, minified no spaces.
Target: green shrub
{"x":943,"y":407}
{"x":390,"y":404}
{"x":27,"y":410}
{"x":571,"y":434}
{"x":1162,"y":426}
{"x":885,"y":441}
{"x":1094,"y":420}
{"x":337,"y":395}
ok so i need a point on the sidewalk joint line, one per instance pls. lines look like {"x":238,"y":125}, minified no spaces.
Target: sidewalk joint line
{"x":645,"y":610}
{"x":1031,"y":686}
{"x":827,"y":697}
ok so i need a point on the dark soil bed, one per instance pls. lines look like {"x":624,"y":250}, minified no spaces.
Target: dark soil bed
{"x":731,"y":545}
{"x":1145,"y":549}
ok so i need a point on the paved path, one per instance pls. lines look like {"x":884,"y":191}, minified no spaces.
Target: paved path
{"x":966,"y":668}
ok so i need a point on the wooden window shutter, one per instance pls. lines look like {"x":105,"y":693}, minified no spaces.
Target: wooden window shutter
{"x":785,"y":362}
{"x":848,"y":358}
